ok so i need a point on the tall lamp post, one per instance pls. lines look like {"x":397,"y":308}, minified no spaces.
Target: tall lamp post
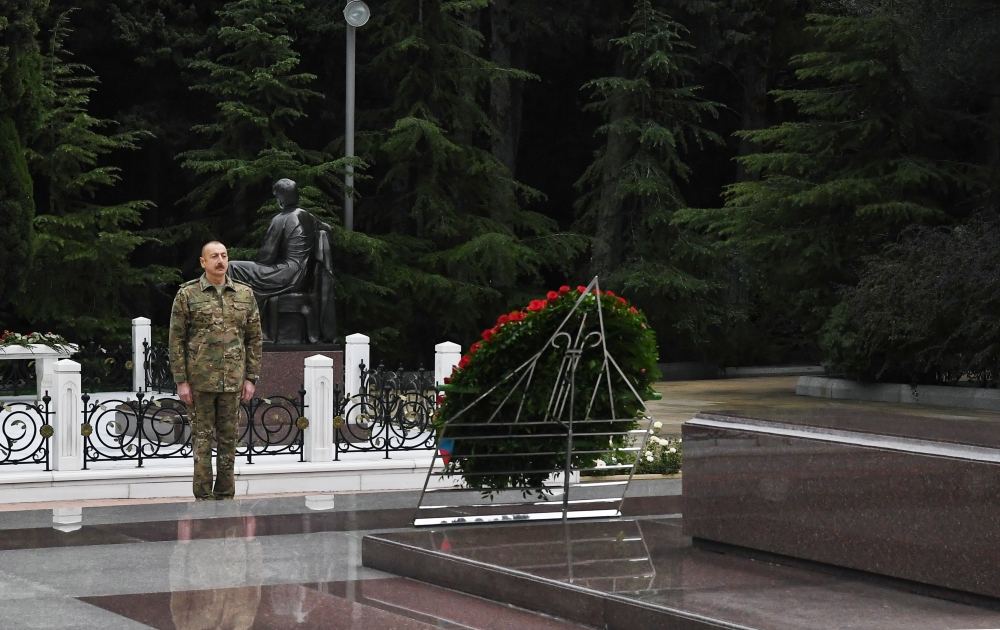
{"x":356,"y":14}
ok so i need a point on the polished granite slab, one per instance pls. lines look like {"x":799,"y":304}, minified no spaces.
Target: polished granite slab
{"x":271,"y":563}
{"x":645,"y":573}
{"x":936,"y":424}
{"x":42,"y":529}
{"x":383,"y":603}
{"x":920,"y":510}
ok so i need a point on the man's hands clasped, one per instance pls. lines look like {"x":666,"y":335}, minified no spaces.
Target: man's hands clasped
{"x":184,"y":392}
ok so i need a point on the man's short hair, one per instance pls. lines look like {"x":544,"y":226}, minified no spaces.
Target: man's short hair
{"x":210,"y":243}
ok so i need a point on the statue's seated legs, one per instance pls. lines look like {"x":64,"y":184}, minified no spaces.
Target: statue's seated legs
{"x":285,"y":308}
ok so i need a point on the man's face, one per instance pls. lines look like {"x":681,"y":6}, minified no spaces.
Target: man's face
{"x":214,"y":259}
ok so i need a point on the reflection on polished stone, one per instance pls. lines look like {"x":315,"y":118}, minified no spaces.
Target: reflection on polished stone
{"x":319,"y":502}
{"x":67,"y":519}
{"x":388,"y":603}
{"x":647,"y":573}
{"x":232,"y":557}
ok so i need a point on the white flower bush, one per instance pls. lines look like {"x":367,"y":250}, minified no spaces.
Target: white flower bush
{"x":660,"y":455}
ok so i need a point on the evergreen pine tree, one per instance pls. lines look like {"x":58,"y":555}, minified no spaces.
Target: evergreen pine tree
{"x":250,"y":71}
{"x":20,"y":63}
{"x":652,"y":117}
{"x":82,"y":265}
{"x":831,"y":186}
{"x":452,"y":212}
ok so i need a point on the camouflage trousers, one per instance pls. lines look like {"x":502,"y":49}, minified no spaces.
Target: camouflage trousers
{"x":214,"y":419}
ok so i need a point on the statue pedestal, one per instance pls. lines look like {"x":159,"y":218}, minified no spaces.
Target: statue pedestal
{"x":282,"y":369}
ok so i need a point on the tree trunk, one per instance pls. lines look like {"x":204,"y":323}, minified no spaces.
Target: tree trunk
{"x":754,"y":114}
{"x":505,"y":94}
{"x":994,"y":154}
{"x":608,"y":249}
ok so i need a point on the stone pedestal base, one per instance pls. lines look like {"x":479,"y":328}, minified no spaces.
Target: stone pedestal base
{"x":283,"y":368}
{"x":918,"y":509}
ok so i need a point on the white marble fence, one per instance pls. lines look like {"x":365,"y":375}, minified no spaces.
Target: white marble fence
{"x":62,"y":383}
{"x":65,"y":477}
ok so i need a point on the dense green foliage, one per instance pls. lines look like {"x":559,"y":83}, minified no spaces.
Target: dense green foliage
{"x":844,"y":177}
{"x":20,"y":63}
{"x":519,"y":372}
{"x":924,"y":311}
{"x":652,"y":116}
{"x":79,"y":243}
{"x":250,"y":71}
{"x":729,"y":164}
{"x":457,"y":223}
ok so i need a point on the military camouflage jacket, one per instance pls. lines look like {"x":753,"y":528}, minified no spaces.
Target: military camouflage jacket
{"x":215,"y":340}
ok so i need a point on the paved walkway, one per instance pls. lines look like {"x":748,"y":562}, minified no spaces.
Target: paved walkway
{"x":295,"y":561}
{"x":775,"y":398}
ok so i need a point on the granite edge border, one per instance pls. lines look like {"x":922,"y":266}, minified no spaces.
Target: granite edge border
{"x":934,"y":395}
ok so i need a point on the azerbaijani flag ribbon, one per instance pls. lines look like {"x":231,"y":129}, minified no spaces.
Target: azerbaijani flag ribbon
{"x":445,"y":447}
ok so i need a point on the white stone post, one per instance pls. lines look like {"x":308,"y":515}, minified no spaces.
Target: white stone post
{"x":318,"y":381}
{"x":357,"y":350}
{"x":142,"y":330}
{"x":66,"y":445}
{"x":447,"y":354}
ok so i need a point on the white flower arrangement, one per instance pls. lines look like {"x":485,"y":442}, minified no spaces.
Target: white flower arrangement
{"x":50,"y":339}
{"x":659,"y":455}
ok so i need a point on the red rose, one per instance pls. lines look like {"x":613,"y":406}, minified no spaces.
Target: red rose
{"x":536,"y":305}
{"x":622,"y":300}
{"x":486,"y":334}
{"x":552,"y":295}
{"x":447,"y":380}
{"x":609,"y":292}
{"x":440,"y":398}
{"x":633,"y":310}
{"x":503,"y":319}
{"x":464,"y":362}
{"x":474,"y":348}
{"x":564,"y":289}
{"x":581,"y":289}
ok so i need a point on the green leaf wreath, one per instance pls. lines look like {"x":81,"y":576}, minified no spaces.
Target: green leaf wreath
{"x":491,"y":457}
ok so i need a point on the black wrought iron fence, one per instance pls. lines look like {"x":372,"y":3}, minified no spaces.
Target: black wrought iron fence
{"x":393,"y":412}
{"x":134,"y":430}
{"x":157,"y":362}
{"x":17,"y":377}
{"x":148,"y":427}
{"x":273,"y":426}
{"x":105,"y":366}
{"x":25,"y":431}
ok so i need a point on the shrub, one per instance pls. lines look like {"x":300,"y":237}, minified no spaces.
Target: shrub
{"x":661,"y":456}
{"x":924,"y":310}
{"x":471,"y":410}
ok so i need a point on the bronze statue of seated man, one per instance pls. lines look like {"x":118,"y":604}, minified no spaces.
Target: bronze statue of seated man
{"x":294,"y":243}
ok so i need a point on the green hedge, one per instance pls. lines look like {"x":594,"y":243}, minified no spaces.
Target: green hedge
{"x":926,"y":310}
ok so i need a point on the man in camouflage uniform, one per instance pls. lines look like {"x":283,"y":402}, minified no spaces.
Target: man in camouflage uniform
{"x":215,"y":353}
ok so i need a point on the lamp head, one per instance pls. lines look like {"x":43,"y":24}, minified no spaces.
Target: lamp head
{"x":357,"y":13}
